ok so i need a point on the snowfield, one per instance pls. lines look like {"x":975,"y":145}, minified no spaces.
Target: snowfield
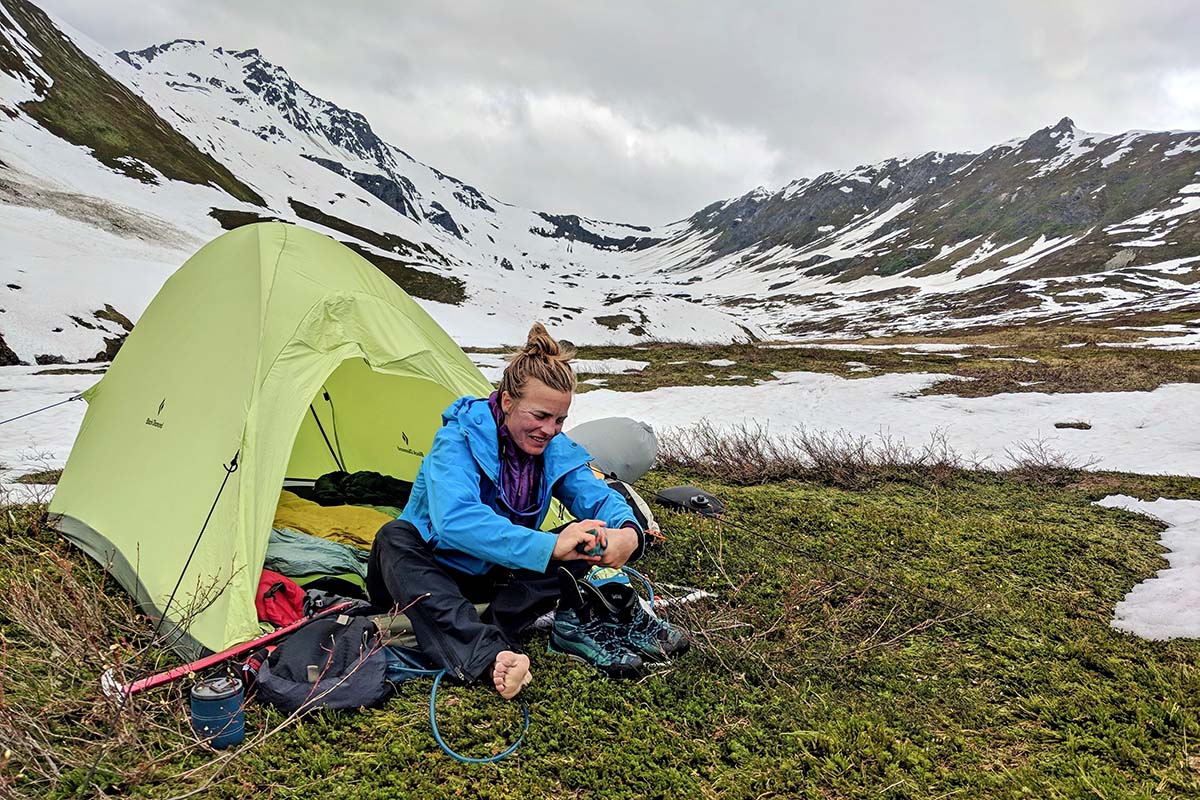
{"x":1146,"y":432}
{"x":1137,"y":432}
{"x":1143,"y":432}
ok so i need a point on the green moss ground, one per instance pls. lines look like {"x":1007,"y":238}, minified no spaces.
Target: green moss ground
{"x":806,"y":680}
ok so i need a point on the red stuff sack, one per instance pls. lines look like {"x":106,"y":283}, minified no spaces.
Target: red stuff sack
{"x":279,"y":600}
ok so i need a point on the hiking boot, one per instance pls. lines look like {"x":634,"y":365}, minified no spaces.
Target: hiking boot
{"x":582,"y":631}
{"x":652,"y":638}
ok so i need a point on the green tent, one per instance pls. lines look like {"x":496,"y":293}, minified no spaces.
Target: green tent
{"x":265,"y":328}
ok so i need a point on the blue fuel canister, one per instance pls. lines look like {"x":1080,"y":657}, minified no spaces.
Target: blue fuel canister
{"x":217,"y":713}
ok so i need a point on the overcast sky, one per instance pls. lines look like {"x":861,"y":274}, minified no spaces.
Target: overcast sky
{"x":647,"y":111}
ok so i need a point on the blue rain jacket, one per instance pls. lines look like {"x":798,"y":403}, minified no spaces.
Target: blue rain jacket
{"x":455,"y":499}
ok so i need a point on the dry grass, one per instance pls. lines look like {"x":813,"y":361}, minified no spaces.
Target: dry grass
{"x":45,"y":476}
{"x":64,"y":622}
{"x":747,"y":454}
{"x":1034,"y":461}
{"x":1083,"y":369}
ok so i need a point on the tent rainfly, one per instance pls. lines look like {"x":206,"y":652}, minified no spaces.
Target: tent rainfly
{"x":215,"y":399}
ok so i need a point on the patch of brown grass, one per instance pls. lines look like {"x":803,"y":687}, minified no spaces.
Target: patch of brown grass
{"x":64,"y":622}
{"x":747,"y":454}
{"x":1083,"y":369}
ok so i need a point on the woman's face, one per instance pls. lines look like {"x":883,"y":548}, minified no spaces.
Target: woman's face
{"x":536,"y":417}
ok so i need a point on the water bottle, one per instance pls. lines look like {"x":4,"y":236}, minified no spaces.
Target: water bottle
{"x":217,"y":714}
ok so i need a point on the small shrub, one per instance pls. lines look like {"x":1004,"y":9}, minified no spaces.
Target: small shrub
{"x":747,"y":454}
{"x":46,"y":476}
{"x":1035,"y":461}
{"x":64,"y":622}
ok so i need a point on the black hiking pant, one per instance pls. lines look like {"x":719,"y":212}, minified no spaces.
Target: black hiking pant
{"x":451,"y":633}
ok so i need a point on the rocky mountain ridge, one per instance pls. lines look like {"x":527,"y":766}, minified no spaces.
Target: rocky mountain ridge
{"x":1060,"y":222}
{"x":265,"y":97}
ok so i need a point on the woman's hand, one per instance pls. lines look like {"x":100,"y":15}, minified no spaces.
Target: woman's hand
{"x":586,"y":532}
{"x":621,"y":544}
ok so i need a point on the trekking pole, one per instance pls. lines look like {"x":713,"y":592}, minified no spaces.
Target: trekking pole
{"x":118,"y":691}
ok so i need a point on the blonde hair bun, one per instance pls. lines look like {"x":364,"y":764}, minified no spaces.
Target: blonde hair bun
{"x":542,"y":358}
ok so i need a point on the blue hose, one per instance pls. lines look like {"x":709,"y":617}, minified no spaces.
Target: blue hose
{"x":644,"y":579}
{"x":438,"y":674}
{"x":437,"y":736}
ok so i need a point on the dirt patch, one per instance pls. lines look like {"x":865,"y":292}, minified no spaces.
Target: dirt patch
{"x":417,"y":282}
{"x":388,"y":242}
{"x":128,"y":223}
{"x":614,"y":321}
{"x":229,"y":220}
{"x":1082,"y":369}
{"x":110,"y":314}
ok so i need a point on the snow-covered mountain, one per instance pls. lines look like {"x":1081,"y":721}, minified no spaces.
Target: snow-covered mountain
{"x":1061,"y":225}
{"x":114,"y":168}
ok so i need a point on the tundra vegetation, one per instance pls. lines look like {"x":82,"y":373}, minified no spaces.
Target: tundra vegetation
{"x":886,"y":622}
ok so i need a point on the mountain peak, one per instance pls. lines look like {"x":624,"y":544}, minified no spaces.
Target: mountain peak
{"x":1065,"y":125}
{"x":1046,"y":143}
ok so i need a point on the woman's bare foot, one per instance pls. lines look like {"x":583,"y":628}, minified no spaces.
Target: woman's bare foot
{"x":510,"y":672}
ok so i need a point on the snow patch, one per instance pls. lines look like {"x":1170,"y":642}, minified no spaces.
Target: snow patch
{"x":1166,"y":606}
{"x":607,"y":366}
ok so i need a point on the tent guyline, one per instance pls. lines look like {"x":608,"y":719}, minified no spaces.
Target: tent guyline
{"x":40,"y":410}
{"x":229,"y":468}
{"x":123,"y":697}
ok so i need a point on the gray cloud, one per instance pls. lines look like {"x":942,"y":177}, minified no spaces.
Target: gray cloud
{"x":646,"y":112}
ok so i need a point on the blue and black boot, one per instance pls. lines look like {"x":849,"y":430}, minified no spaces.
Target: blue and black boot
{"x":583,"y":630}
{"x":652,"y":638}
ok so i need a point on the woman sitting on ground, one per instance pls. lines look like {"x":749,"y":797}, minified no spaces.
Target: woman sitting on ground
{"x":470,"y":531}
